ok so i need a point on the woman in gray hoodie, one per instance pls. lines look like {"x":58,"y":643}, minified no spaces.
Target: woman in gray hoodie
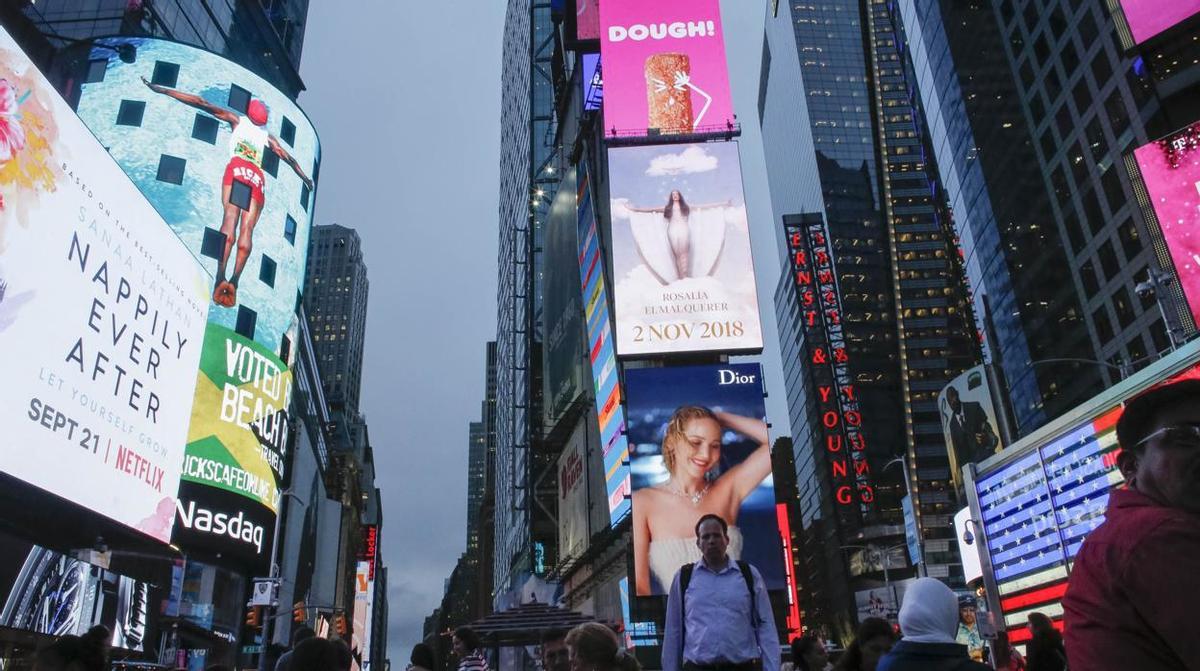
{"x":929,"y":623}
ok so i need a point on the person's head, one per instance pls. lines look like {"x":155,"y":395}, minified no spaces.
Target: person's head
{"x":929,"y":613}
{"x":554,"y":651}
{"x":808,"y":654}
{"x":595,"y":647}
{"x":676,"y":198}
{"x":344,"y":656}
{"x":952,"y":399}
{"x":692,"y":445}
{"x":302,"y":634}
{"x":422,"y":656}
{"x":712,"y":537}
{"x":315,"y":654}
{"x":872,"y":641}
{"x":1039,"y":623}
{"x":1159,"y":435}
{"x":257,"y":112}
{"x":466,"y":641}
{"x":966,"y":611}
{"x":76,"y":653}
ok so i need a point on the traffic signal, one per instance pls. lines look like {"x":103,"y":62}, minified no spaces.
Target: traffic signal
{"x":252,"y":618}
{"x":298,"y":612}
{"x":339,"y":625}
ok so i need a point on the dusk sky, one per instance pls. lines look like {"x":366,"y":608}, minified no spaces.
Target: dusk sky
{"x":406,"y":99}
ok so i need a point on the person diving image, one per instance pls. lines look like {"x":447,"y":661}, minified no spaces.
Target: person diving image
{"x":248,"y":142}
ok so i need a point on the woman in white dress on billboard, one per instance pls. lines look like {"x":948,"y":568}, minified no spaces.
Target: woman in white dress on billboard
{"x":679,"y":240}
{"x":664,"y":516}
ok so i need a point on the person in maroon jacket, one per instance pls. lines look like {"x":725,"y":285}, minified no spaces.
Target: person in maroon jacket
{"x":1132,"y":598}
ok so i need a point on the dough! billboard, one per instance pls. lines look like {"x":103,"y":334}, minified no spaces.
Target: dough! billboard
{"x":230,"y":163}
{"x":664,"y":67}
{"x":682,"y":265}
{"x":102,"y":315}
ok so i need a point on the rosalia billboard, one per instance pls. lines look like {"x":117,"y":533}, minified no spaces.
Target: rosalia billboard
{"x":699,"y":444}
{"x":664,"y":66}
{"x":682,"y":262}
{"x":230,"y":163}
{"x":1147,"y":18}
{"x":102,"y":314}
{"x":1170,"y":169}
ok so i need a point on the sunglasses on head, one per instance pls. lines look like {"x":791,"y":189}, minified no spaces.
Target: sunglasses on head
{"x":1180,"y":435}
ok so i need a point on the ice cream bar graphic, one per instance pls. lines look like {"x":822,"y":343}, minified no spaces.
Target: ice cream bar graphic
{"x":669,"y":94}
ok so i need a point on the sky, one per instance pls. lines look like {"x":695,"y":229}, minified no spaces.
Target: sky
{"x":405,"y":97}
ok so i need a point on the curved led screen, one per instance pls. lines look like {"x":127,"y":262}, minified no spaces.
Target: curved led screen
{"x":230,"y":163}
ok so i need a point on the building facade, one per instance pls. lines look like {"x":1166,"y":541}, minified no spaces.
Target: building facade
{"x":845,"y":146}
{"x":335,"y":295}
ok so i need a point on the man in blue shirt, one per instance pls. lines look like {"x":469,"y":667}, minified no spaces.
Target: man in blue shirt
{"x":721,"y":619}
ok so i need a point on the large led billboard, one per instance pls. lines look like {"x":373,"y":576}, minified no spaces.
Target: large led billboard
{"x":230,"y":163}
{"x":1170,"y":170}
{"x":592,"y":79}
{"x":102,"y":313}
{"x":664,"y":65}
{"x":563,"y":376}
{"x":1148,"y":18}
{"x":602,"y":355}
{"x":699,"y":444}
{"x":587,"y":19}
{"x":1036,"y":502}
{"x":682,"y":262}
{"x":968,"y":420}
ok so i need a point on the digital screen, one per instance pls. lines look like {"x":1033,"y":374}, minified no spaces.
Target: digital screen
{"x":665,"y":69}
{"x":602,"y":355}
{"x":364,"y":598}
{"x":564,"y":377}
{"x":587,"y":19}
{"x":593,"y":82}
{"x":1170,"y":169}
{"x":102,"y":316}
{"x":1147,"y":18}
{"x":699,"y":444}
{"x":230,"y":163}
{"x":682,"y":262}
{"x":968,"y":420}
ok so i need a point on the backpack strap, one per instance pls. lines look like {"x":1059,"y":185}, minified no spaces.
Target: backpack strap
{"x":748,"y":576}
{"x":685,"y":578}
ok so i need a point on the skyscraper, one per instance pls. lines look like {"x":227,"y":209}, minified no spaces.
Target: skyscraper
{"x":527,"y":178}
{"x":335,"y":298}
{"x":266,"y":37}
{"x":476,"y":479}
{"x":852,"y":164}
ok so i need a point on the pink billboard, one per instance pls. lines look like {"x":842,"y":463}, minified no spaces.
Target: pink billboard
{"x":1170,"y":168}
{"x":587,"y":19}
{"x":1147,"y":18}
{"x":664,"y":67}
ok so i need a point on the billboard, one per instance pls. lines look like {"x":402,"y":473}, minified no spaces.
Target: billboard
{"x":665,"y":65}
{"x":102,"y":314}
{"x":968,"y":420}
{"x":699,"y":444}
{"x":1036,"y":502}
{"x":587,"y":19}
{"x":602,"y":354}
{"x":230,"y":163}
{"x":574,"y":471}
{"x":45,"y":592}
{"x":563,"y":355}
{"x":593,"y":82}
{"x":364,"y":597}
{"x":1147,"y":18}
{"x":1170,"y":170}
{"x":682,"y":262}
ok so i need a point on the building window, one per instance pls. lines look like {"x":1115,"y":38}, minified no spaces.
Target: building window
{"x":304,"y":197}
{"x":1103,"y":326}
{"x":1108,"y":260}
{"x":289,"y":229}
{"x":95,"y":71}
{"x":1131,"y":240}
{"x":247,"y":320}
{"x":165,"y":74}
{"x":1123,"y":304}
{"x":266,"y":271}
{"x":239,"y":98}
{"x":1087,"y":276}
{"x":240,"y":194}
{"x":287,"y":132}
{"x":270,"y":162}
{"x":130,"y":113}
{"x":170,"y":169}
{"x":204,"y":128}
